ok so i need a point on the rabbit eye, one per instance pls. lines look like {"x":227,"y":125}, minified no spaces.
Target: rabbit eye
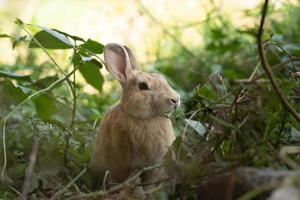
{"x":143,"y":86}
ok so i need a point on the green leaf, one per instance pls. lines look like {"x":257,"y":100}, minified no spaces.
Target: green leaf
{"x":17,"y":41}
{"x":50,"y":39}
{"x":45,"y":106}
{"x":15,"y":76}
{"x":93,"y":46}
{"x":45,"y":82}
{"x":295,"y":135}
{"x":4,"y":36}
{"x":74,"y":37}
{"x":92,"y":75}
{"x":97,"y":63}
{"x":11,"y":92}
{"x":18,"y":21}
{"x":197,"y":126}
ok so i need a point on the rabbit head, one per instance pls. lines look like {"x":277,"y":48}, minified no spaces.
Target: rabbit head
{"x":145,"y":95}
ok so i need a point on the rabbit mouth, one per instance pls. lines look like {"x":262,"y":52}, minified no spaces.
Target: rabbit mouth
{"x":167,"y":116}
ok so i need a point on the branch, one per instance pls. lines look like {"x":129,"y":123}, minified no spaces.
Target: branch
{"x":56,"y":195}
{"x":28,"y":175}
{"x":278,"y":67}
{"x":115,"y":188}
{"x":267,"y":68}
{"x":47,"y":89}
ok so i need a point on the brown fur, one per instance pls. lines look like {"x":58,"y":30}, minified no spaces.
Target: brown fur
{"x":134,"y":133}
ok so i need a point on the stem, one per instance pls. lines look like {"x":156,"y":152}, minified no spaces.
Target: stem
{"x":29,"y":171}
{"x":117,"y":187}
{"x":278,"y":67}
{"x":56,"y":195}
{"x":74,"y":92}
{"x":267,"y":68}
{"x":4,"y":151}
{"x":49,"y":88}
{"x":46,"y":52}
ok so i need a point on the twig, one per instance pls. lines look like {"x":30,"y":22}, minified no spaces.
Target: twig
{"x":254,"y":71}
{"x":156,"y":182}
{"x":57,"y":194}
{"x":74,"y":184}
{"x":4,"y":150}
{"x":278,"y":66}
{"x":283,"y":155}
{"x":259,"y":190}
{"x":14,"y":190}
{"x":74,"y":90}
{"x":107,"y":176}
{"x":45,"y":51}
{"x":28,"y":175}
{"x":267,"y":68}
{"x":49,"y":88}
{"x":117,"y":187}
{"x":184,"y":133}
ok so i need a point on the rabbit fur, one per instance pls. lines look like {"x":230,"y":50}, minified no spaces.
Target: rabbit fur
{"x":134,"y":133}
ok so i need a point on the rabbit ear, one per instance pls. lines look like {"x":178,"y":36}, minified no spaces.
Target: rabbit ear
{"x":132,"y":59}
{"x":117,"y":62}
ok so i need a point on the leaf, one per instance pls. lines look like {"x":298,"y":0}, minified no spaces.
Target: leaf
{"x":197,"y":126}
{"x":207,"y":92}
{"x":17,"y":41}
{"x":74,"y":37}
{"x":12,"y":93}
{"x":4,"y":36}
{"x":97,"y":63}
{"x":92,"y":75}
{"x":18,"y":21}
{"x":50,"y":39}
{"x":45,"y":106}
{"x":45,"y":82}
{"x":93,"y":46}
{"x":15,"y":76}
{"x":177,"y":143}
{"x":295,"y":135}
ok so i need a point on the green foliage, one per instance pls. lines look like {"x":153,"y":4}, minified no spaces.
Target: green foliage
{"x":15,"y":76}
{"x":11,"y":93}
{"x":93,"y":46}
{"x":50,"y":39}
{"x":91,"y":74}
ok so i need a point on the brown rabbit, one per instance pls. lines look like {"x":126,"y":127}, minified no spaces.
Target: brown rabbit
{"x":135,"y":133}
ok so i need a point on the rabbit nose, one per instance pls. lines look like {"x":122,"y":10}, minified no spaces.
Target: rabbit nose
{"x":173,"y":100}
{"x":176,"y":102}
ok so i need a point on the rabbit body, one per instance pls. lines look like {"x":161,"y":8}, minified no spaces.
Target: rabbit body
{"x":126,"y":143}
{"x":135,"y":133}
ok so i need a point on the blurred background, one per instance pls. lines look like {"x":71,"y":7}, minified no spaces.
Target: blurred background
{"x":207,"y":50}
{"x":139,"y":24}
{"x":173,"y":35}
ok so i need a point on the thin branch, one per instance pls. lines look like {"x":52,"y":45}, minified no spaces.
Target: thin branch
{"x":47,"y":89}
{"x":28,"y":175}
{"x":56,"y":195}
{"x":74,"y":90}
{"x":155,"y":182}
{"x":267,"y":68}
{"x":4,"y":150}
{"x":278,"y":67}
{"x":117,"y":187}
{"x":41,"y":46}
